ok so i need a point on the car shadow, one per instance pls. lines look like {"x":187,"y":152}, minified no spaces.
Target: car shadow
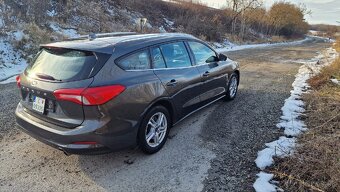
{"x":182,"y":154}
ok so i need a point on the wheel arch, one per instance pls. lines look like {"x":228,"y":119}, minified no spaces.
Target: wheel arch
{"x":168,"y":105}
{"x":165,"y":102}
{"x":238,"y":76}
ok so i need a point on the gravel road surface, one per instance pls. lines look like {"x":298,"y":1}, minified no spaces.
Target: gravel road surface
{"x":212,"y":150}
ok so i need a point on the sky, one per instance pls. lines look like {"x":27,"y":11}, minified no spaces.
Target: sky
{"x":323,"y":11}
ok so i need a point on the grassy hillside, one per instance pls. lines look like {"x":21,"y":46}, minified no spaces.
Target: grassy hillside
{"x":51,"y":20}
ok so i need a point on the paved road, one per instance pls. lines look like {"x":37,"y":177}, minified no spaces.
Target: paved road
{"x":213,"y":150}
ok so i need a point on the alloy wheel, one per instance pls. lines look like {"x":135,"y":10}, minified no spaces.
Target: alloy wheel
{"x":156,"y":129}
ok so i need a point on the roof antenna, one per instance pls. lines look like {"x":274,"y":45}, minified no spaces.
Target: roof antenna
{"x":92,"y":36}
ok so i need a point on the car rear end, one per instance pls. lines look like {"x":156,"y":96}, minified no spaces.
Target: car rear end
{"x":60,"y":107}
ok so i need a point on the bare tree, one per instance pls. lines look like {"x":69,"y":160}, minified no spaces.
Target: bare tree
{"x":239,"y":7}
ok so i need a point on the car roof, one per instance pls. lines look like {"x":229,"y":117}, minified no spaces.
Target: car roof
{"x":124,"y":43}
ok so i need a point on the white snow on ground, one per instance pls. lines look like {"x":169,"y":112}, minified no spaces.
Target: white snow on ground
{"x":326,"y":39}
{"x":70,"y":33}
{"x":161,"y":29}
{"x":290,"y":120}
{"x":336,"y":81}
{"x":11,"y":62}
{"x":51,"y":13}
{"x":282,"y":147}
{"x":262,"y":183}
{"x":313,"y":32}
{"x":168,"y":22}
{"x":235,"y":47}
{"x":18,"y":35}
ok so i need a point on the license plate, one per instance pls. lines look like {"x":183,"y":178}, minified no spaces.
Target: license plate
{"x":39,"y":104}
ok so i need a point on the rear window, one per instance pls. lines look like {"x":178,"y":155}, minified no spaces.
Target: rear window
{"x":62,"y":64}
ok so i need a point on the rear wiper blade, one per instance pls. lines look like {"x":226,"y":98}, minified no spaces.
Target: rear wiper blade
{"x":47,"y":77}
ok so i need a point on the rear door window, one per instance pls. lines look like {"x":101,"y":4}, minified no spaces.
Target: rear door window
{"x":59,"y":64}
{"x":175,"y":55}
{"x":135,"y":61}
{"x":157,"y":58}
{"x":203,"y":54}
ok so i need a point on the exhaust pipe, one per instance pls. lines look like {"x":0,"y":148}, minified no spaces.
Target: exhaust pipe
{"x":66,"y":153}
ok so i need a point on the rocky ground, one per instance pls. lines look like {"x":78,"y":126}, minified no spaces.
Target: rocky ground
{"x":213,"y":150}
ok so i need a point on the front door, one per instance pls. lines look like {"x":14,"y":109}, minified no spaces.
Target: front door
{"x":214,"y":74}
{"x":172,"y":65}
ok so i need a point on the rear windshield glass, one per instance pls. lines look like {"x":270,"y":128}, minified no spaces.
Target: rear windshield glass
{"x":59,"y":64}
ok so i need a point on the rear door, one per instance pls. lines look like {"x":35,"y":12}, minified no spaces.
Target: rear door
{"x":214,"y":74}
{"x":55,"y":69}
{"x":173,"y":66}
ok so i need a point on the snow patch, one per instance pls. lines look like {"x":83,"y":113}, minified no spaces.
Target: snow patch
{"x":70,"y":33}
{"x":314,"y":32}
{"x":280,"y":148}
{"x":168,"y":22}
{"x":18,"y":35}
{"x":290,"y":119}
{"x":11,"y":61}
{"x":262,"y":183}
{"x":161,"y":29}
{"x":336,"y":81}
{"x":51,"y":13}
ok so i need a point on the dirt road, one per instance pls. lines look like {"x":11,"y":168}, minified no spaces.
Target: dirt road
{"x":213,"y":150}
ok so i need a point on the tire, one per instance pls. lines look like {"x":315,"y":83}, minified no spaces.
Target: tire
{"x":152,"y":135}
{"x":232,"y":87}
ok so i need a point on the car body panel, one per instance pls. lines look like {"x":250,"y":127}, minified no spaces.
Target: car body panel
{"x":182,"y":86}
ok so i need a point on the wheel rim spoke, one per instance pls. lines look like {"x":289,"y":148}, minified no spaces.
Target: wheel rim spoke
{"x":153,"y":123}
{"x":150,"y":136}
{"x":156,"y":138}
{"x":160,"y":119}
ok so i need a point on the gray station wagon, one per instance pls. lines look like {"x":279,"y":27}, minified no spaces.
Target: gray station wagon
{"x":106,"y":92}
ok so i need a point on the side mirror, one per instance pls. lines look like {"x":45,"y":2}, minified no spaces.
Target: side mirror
{"x":222,"y":57}
{"x":212,"y":59}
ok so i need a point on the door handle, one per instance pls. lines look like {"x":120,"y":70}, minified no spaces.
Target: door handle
{"x":206,"y":74}
{"x":173,"y":82}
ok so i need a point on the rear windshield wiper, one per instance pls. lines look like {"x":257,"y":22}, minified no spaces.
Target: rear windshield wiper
{"x":47,"y":77}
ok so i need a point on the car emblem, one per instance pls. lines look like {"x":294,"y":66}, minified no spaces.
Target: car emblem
{"x":34,"y":83}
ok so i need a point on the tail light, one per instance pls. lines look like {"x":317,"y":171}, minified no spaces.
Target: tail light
{"x":91,"y":95}
{"x":18,"y":81}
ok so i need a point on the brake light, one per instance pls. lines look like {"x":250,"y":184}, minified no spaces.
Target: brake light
{"x":18,"y":81}
{"x":91,"y":95}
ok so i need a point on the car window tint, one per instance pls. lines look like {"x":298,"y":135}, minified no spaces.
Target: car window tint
{"x":62,"y":64}
{"x":203,"y":54}
{"x":157,"y":58}
{"x":175,"y":55}
{"x":136,"y":61}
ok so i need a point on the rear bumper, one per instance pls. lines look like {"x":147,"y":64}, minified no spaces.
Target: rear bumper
{"x":64,"y":139}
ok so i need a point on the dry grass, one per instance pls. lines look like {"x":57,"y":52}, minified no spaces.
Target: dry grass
{"x":332,"y":71}
{"x":276,"y":38}
{"x":315,"y":165}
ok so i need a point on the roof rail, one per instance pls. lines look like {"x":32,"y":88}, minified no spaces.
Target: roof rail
{"x":93,"y":36}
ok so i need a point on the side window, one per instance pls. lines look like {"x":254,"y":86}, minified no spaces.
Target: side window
{"x":203,"y":54}
{"x":175,"y":55}
{"x":157,"y":58}
{"x":136,"y":61}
